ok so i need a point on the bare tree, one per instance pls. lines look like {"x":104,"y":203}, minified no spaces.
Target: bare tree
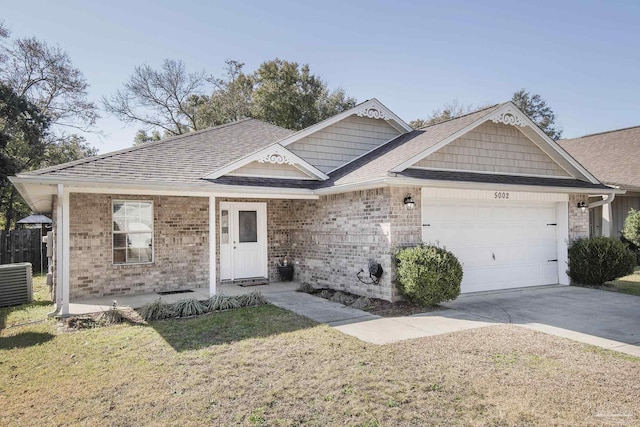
{"x":45,"y":76}
{"x":159,"y":98}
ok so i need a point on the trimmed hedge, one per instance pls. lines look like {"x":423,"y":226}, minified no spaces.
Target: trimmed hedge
{"x":597,"y":260}
{"x":428,"y":275}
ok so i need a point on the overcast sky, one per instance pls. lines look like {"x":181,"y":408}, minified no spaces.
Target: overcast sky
{"x":414,"y":56}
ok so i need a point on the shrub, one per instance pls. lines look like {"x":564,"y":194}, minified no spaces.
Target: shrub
{"x":597,"y":260}
{"x":428,"y":275}
{"x":251,"y":299}
{"x":361,"y":302}
{"x":326,"y":294}
{"x":306,"y":288}
{"x":189,"y":307}
{"x":342,"y":298}
{"x":213,"y":303}
{"x":110,"y":317}
{"x":228,"y":302}
{"x":156,"y":310}
{"x":631,"y":231}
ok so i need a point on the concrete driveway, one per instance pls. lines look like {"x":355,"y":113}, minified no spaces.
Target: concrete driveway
{"x":606,"y":319}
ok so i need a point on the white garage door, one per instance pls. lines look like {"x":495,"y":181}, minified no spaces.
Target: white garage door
{"x":502,"y":244}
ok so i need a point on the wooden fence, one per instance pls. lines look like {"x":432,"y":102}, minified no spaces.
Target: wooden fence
{"x":24,"y":246}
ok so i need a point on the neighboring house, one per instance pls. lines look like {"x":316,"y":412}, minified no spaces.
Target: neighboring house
{"x":225,"y":204}
{"x":614,"y":158}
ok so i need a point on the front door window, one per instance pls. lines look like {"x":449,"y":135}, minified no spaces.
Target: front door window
{"x":248,"y":226}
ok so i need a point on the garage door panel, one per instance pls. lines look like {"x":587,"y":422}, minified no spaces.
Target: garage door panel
{"x":500,"y":244}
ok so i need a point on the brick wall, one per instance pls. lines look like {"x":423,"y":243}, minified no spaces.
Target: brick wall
{"x":578,"y":220}
{"x":334,"y":237}
{"x":181,"y":248}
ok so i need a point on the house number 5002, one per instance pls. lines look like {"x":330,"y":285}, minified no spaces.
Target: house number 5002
{"x":500,"y":195}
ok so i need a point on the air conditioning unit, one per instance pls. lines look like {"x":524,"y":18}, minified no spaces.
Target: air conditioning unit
{"x":15,"y":284}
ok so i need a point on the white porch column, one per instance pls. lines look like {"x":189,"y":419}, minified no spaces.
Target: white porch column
{"x":213,"y":276}
{"x":62,"y":251}
{"x":59,"y":236}
{"x":606,"y":219}
{"x":65,"y":254}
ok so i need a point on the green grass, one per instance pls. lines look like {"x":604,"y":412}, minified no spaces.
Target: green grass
{"x":36,"y":311}
{"x":265,"y":366}
{"x":628,"y":285}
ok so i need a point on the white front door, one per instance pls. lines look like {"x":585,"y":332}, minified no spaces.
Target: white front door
{"x":243,"y":240}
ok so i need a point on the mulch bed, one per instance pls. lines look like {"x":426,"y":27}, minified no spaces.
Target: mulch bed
{"x":373,"y":305}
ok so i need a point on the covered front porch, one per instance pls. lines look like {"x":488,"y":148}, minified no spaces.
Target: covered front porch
{"x":103,"y":303}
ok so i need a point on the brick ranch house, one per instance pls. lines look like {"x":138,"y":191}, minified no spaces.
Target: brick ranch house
{"x":225,"y":204}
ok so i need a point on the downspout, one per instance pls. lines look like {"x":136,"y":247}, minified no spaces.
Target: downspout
{"x":606,"y":212}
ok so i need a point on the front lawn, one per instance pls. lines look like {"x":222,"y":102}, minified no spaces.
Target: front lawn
{"x":628,"y":284}
{"x":266,"y":366}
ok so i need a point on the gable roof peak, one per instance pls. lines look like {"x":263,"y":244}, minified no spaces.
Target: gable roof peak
{"x":463,"y":115}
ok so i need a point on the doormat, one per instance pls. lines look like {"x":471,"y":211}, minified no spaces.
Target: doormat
{"x":246,"y":285}
{"x":186,"y":291}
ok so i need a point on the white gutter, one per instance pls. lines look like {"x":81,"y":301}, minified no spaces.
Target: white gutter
{"x":606,"y":199}
{"x":417,"y":182}
{"x":607,"y":213}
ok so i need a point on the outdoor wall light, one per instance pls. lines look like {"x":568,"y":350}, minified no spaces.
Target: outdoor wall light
{"x":583,"y":206}
{"x":408,"y":202}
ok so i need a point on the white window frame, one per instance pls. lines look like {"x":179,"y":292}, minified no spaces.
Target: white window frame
{"x":153,"y":230}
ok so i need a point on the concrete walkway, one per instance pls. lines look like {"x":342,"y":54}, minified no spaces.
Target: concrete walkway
{"x":371,"y":328}
{"x":600,"y":318}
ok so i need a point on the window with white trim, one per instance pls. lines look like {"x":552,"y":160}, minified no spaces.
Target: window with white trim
{"x":132,"y":231}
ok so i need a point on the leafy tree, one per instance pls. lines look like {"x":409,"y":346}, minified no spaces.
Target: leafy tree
{"x":22,"y":145}
{"x":537,"y":109}
{"x":161,"y":99}
{"x":171,"y":102}
{"x":142,"y":137}
{"x":448,"y":111}
{"x":73,"y":147}
{"x":288,"y":95}
{"x":231,"y":99}
{"x":41,"y":82}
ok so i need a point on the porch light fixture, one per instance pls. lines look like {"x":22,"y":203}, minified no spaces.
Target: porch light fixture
{"x":408,"y":202}
{"x":583,"y":206}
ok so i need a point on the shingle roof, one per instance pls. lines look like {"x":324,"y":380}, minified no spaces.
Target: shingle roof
{"x":181,"y":159}
{"x":613,"y":157}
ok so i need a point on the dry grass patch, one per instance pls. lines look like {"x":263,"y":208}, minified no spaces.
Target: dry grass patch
{"x":628,"y":284}
{"x":266,"y":366}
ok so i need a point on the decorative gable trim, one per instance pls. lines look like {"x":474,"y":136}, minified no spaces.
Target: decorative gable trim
{"x":508,"y":114}
{"x":276,"y":158}
{"x":372,"y":108}
{"x":275,"y":154}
